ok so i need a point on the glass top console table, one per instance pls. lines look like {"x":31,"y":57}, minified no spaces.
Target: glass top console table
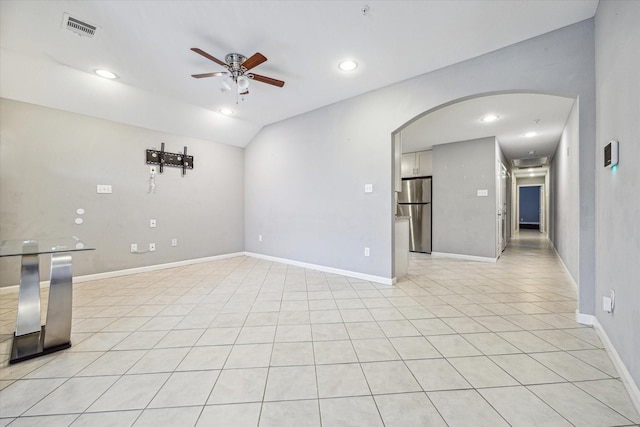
{"x":30,"y":338}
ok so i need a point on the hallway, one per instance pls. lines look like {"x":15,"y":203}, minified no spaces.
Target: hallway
{"x":247,"y":342}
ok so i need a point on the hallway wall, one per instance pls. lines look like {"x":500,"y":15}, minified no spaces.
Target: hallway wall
{"x":463,"y":223}
{"x":565,"y":201}
{"x":617,"y":196}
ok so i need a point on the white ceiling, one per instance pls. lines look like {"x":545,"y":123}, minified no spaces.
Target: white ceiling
{"x":147,"y":44}
{"x":517,"y":114}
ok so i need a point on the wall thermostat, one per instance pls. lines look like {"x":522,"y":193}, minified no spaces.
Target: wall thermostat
{"x":611,"y":154}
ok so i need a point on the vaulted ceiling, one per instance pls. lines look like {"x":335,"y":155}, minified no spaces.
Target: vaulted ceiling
{"x":147,"y":45}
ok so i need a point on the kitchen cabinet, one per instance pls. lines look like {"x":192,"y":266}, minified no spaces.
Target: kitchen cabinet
{"x":416,"y":164}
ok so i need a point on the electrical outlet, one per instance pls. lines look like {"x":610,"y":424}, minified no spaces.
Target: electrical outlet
{"x":613,"y":300}
{"x":368,"y":188}
{"x":152,"y":247}
{"x":152,"y":223}
{"x":134,"y":247}
{"x":609,"y":303}
{"x":366,"y":252}
{"x":174,"y":242}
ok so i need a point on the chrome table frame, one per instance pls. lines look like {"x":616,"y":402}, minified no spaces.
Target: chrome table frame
{"x":30,"y":339}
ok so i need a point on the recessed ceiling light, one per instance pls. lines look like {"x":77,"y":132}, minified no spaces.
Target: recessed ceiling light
{"x":489,"y":118}
{"x":226,"y":111}
{"x":348,"y":65}
{"x":530,"y":134}
{"x":106,"y":74}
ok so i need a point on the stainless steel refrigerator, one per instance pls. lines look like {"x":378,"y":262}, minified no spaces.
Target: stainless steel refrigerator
{"x":415,"y":202}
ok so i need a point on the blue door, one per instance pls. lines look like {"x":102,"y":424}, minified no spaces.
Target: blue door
{"x":530,"y":208}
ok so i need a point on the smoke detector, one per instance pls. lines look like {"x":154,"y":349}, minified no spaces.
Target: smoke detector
{"x":81,"y":28}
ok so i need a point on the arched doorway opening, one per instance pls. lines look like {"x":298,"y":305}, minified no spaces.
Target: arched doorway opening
{"x":475,"y":150}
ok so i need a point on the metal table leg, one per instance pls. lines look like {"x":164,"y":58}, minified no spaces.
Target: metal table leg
{"x":28,"y":319}
{"x":58,"y":326}
{"x":30,"y":339}
{"x":27,"y":342}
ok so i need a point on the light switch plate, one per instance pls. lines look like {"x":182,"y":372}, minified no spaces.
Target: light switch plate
{"x":368,"y":188}
{"x":483,"y":193}
{"x":103,"y":189}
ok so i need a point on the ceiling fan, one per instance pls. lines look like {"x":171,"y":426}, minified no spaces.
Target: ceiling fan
{"x":238,"y":67}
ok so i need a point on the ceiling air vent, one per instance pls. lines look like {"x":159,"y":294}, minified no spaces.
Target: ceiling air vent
{"x":78,"y":27}
{"x":532,"y":162}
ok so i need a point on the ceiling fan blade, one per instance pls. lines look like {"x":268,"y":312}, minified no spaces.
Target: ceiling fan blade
{"x":206,"y":55}
{"x":254,"y":61}
{"x":216,"y":74}
{"x":268,"y":80}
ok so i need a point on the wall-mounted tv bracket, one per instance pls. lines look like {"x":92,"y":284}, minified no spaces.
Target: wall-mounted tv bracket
{"x":163,"y":158}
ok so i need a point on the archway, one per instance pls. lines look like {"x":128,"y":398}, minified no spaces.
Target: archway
{"x":459,"y":122}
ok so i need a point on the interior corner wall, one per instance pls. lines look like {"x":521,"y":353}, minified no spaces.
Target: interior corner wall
{"x":565,"y":210}
{"x":617,"y":196}
{"x":463,"y":223}
{"x":51,"y":162}
{"x":305,"y":176}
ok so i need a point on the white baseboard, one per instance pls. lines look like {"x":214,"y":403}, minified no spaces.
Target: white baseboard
{"x":145,"y":269}
{"x":625,"y":375}
{"x":585,"y":319}
{"x":126,"y":272}
{"x":465,"y":257}
{"x":354,"y":274}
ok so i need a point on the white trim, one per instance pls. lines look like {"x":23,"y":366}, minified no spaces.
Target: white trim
{"x":354,"y":274}
{"x":147,"y":268}
{"x":118,"y":273}
{"x":625,"y":376}
{"x":585,"y":319}
{"x":466,"y":257}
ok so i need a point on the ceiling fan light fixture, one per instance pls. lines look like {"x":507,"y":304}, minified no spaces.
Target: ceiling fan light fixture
{"x":243,"y":84}
{"x":489,"y":118}
{"x":106,"y":74}
{"x":348,"y":65}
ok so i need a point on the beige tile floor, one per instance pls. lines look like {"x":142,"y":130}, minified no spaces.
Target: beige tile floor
{"x":246,"y":342}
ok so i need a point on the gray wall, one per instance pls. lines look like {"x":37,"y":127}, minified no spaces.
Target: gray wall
{"x":617,"y":192}
{"x":464,"y":223}
{"x":305,"y":189}
{"x":51,"y":161}
{"x":314,"y":209}
{"x":565,"y":199}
